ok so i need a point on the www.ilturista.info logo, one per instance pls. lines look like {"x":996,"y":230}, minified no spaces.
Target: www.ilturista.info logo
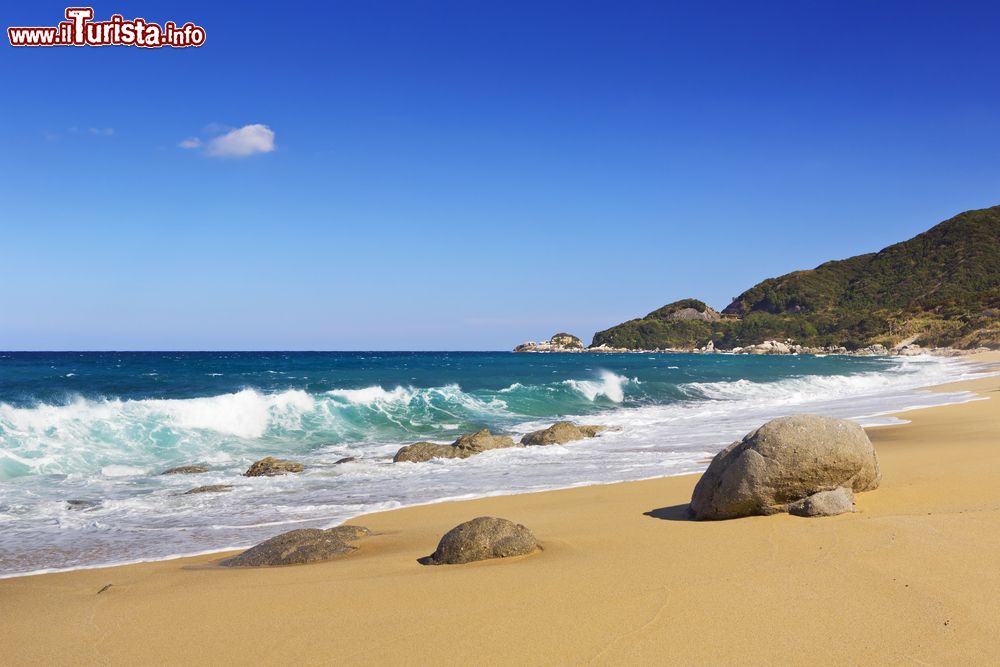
{"x":79,"y":29}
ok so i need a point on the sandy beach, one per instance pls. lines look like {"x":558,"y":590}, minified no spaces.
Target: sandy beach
{"x":624,"y":577}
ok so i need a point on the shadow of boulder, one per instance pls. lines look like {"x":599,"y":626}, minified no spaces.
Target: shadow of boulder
{"x":672,"y":513}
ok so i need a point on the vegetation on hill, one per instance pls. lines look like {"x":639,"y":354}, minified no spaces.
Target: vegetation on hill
{"x":672,"y":308}
{"x":942,"y":287}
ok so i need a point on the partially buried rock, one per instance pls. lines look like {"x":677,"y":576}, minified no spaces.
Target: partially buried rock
{"x":463,"y":448}
{"x":185,"y":470}
{"x":560,"y":433}
{"x":784,"y":461}
{"x":211,"y":488}
{"x":297,"y":547}
{"x":346,"y":459}
{"x":824,"y":503}
{"x":480,"y":539}
{"x":270,"y":466}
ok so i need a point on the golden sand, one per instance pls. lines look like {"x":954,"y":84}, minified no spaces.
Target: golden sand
{"x":913,"y":577}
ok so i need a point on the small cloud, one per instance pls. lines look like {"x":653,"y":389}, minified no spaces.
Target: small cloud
{"x":192,"y":142}
{"x":242,"y":142}
{"x":100,"y":131}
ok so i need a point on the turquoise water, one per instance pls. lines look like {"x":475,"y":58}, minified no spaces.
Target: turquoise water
{"x":97,"y":428}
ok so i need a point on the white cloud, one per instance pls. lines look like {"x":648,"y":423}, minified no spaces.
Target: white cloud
{"x":101,"y":131}
{"x":192,"y":142}
{"x":242,"y":142}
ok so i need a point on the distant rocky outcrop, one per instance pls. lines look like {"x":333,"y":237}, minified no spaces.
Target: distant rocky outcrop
{"x":560,"y":342}
{"x":560,"y":433}
{"x":463,"y":448}
{"x":784,"y":461}
{"x":685,"y":310}
{"x":270,"y":466}
{"x":185,"y":470}
{"x":482,"y":538}
{"x":297,"y":547}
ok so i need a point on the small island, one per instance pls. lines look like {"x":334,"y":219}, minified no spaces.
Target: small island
{"x":560,"y":342}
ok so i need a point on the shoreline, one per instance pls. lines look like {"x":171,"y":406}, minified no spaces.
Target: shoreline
{"x":225,"y":551}
{"x":767,"y":348}
{"x":624,"y":577}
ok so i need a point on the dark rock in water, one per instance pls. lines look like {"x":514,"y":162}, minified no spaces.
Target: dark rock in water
{"x":481,"y":441}
{"x":824,"y":503}
{"x":425,"y":451}
{"x":463,"y":448}
{"x":560,"y":433}
{"x":211,"y":488}
{"x":784,"y":461}
{"x":482,"y":538}
{"x":82,"y":504}
{"x":346,"y":459}
{"x":270,"y":466}
{"x":296,"y":547}
{"x":185,"y":470}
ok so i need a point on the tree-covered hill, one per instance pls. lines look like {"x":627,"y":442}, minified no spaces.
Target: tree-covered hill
{"x":942,"y":286}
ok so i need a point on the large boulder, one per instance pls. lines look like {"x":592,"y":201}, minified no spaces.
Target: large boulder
{"x":466,"y":446}
{"x":296,"y":547}
{"x":783,"y":461}
{"x":185,"y":470}
{"x":560,"y":433}
{"x":482,"y":538}
{"x":270,"y":466}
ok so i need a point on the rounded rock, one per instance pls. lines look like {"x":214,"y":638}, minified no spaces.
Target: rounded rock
{"x":297,"y":547}
{"x":783,"y":461}
{"x":270,"y":466}
{"x":482,"y":538}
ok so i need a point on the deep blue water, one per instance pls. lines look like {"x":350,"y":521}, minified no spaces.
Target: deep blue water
{"x":27,"y":378}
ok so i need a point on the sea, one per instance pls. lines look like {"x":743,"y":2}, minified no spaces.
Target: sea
{"x":84,"y":437}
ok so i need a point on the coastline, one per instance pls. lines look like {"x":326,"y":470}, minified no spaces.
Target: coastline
{"x":624,"y":576}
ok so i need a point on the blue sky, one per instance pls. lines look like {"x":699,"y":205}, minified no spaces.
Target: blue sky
{"x":469,"y":175}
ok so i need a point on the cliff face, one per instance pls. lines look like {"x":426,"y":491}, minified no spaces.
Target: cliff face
{"x":941,"y":287}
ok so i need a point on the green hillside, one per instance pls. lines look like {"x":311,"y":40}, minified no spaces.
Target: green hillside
{"x":942,"y":286}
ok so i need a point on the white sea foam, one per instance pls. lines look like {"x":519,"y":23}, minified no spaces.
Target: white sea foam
{"x":374,"y":394}
{"x":610,"y":386}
